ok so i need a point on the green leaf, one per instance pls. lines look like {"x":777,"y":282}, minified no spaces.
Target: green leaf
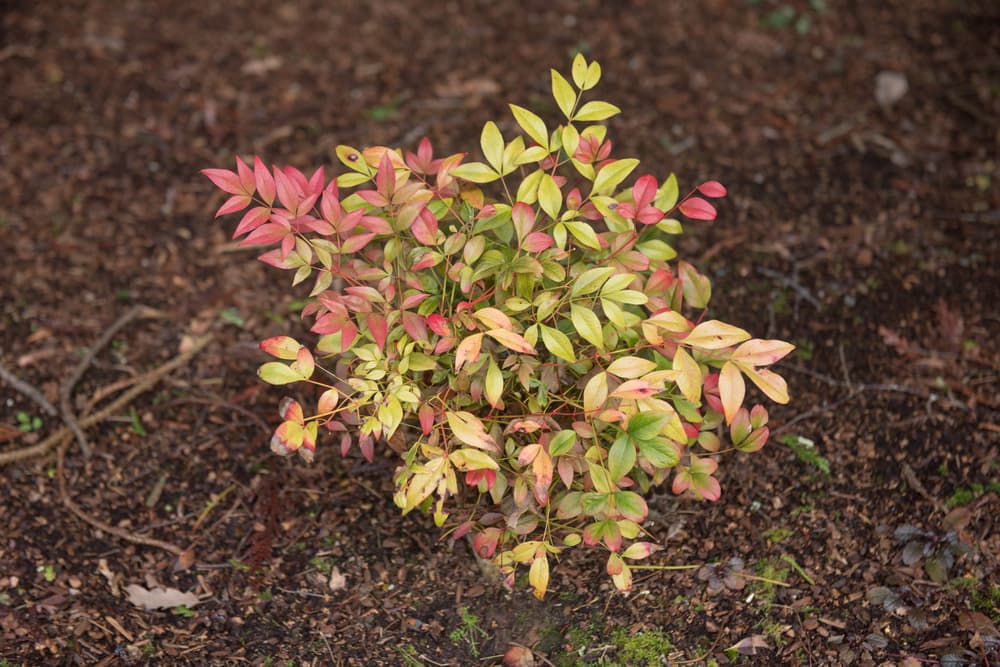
{"x":697,"y":288}
{"x":647,"y":425}
{"x":596,"y":110}
{"x":666,"y":196}
{"x":657,"y":250}
{"x":621,"y":458}
{"x":558,"y":343}
{"x":476,"y":172}
{"x":275,"y":372}
{"x":549,"y":196}
{"x":563,"y":93}
{"x":631,"y":505}
{"x":588,"y":325}
{"x":494,"y":384}
{"x":591,"y":280}
{"x":562,"y":442}
{"x":532,"y":125}
{"x":570,"y":139}
{"x":492,"y":144}
{"x":660,"y":452}
{"x":584,"y":234}
{"x":611,"y":175}
{"x":472,"y":459}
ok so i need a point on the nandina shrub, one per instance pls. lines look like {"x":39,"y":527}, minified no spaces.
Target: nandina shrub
{"x":514,"y":329}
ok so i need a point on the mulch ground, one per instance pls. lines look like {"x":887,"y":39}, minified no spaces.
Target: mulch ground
{"x":864,"y":228}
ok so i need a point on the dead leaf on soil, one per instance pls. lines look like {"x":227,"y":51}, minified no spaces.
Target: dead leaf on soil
{"x":338,"y":582}
{"x":751,"y":645}
{"x":159,"y":598}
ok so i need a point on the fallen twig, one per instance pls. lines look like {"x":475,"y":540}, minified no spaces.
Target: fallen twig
{"x":28,"y":390}
{"x":66,"y":390}
{"x":142,"y":385}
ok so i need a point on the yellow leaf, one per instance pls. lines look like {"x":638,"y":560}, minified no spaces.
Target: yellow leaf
{"x":494,"y":384}
{"x":689,"y":378}
{"x":611,"y":175}
{"x":715,"y":335}
{"x":476,"y":172}
{"x":527,"y":191}
{"x":493,"y":318}
{"x":563,"y":93}
{"x":587,"y":325}
{"x":558,"y":343}
{"x":532,"y":125}
{"x":512,"y":341}
{"x":579,"y":70}
{"x":570,"y":139}
{"x":593,"y":76}
{"x":759,"y":352}
{"x":468,"y":350}
{"x":770,"y":383}
{"x":538,"y":575}
{"x":595,"y":393}
{"x":492,"y":144}
{"x":469,"y":429}
{"x":732,"y":390}
{"x":596,"y":110}
{"x":472,"y":459}
{"x":631,"y":368}
{"x":549,"y":196}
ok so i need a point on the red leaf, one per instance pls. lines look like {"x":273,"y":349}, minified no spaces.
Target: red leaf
{"x":425,"y":227}
{"x":379,"y":328}
{"x":438,"y":324}
{"x":315,"y":186}
{"x":252,"y":219}
{"x":649,"y":215}
{"x":427,"y":417}
{"x":225,"y":180}
{"x":697,"y":208}
{"x":263,"y":180}
{"x":523,"y":217}
{"x":644,"y":191}
{"x":712,"y":189}
{"x":414,"y":325}
{"x":385,"y":179}
{"x":367,"y":445}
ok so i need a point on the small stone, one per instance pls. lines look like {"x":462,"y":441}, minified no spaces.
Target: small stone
{"x":890,"y":87}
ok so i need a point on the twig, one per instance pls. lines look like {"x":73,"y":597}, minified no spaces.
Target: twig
{"x":28,"y":390}
{"x":792,"y":284}
{"x":143,"y":385}
{"x":66,"y":390}
{"x":97,"y":523}
{"x":64,"y":438}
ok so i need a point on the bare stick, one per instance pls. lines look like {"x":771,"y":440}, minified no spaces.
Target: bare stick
{"x":142,"y":385}
{"x":28,"y":390}
{"x":66,"y":390}
{"x":97,"y":523}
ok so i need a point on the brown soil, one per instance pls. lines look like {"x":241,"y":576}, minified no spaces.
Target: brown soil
{"x":867,"y":234}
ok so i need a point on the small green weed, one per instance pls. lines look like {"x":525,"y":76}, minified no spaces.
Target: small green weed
{"x":409,"y":654}
{"x":965,"y":495}
{"x":778,"y":534}
{"x":805,"y":450}
{"x":28,"y":423}
{"x":469,"y":632}
{"x":648,"y":648}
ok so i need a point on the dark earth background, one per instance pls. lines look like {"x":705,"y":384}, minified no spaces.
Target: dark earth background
{"x":861,"y":226}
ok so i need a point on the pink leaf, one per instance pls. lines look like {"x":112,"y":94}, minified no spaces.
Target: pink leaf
{"x":644,"y":191}
{"x":252,"y":219}
{"x":523,"y":217}
{"x":385,"y":179}
{"x":414,"y":325}
{"x":233,"y":204}
{"x":697,"y":208}
{"x":315,"y":185}
{"x":537,"y":242}
{"x":438,"y":324}
{"x":712,"y":189}
{"x":427,"y":417}
{"x":288,"y":194}
{"x":264,"y":181}
{"x":225,"y":180}
{"x":247,"y":182}
{"x":355,"y":243}
{"x":650,"y":215}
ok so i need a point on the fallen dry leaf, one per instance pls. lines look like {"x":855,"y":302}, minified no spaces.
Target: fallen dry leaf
{"x":338,"y":582}
{"x":159,"y":598}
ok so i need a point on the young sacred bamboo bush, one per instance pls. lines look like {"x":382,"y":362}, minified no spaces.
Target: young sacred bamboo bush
{"x":517,"y":329}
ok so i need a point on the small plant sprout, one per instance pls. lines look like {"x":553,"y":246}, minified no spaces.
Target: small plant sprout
{"x":516,"y":327}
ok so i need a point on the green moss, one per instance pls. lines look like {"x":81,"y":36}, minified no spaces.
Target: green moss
{"x":643,"y":649}
{"x":987,"y":601}
{"x":768,"y":571}
{"x":778,"y":534}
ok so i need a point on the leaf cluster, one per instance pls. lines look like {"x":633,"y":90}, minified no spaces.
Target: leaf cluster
{"x":514,"y":327}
